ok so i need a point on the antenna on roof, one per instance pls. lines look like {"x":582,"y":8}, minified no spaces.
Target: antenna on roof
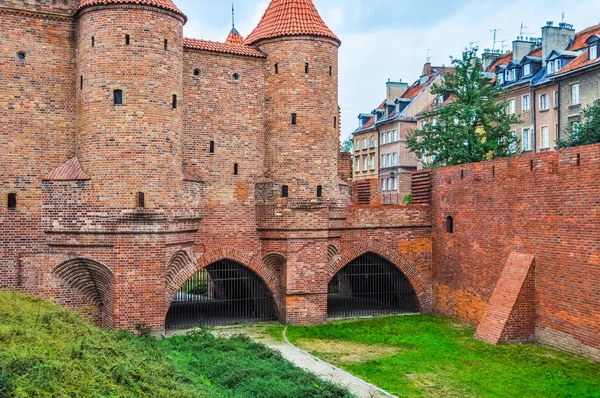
{"x":428,"y":55}
{"x":563,"y":17}
{"x":495,"y":32}
{"x":473,"y":42}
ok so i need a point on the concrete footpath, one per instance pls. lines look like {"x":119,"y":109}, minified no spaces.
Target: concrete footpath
{"x":304,"y":360}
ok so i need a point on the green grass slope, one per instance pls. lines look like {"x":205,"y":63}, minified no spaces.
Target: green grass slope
{"x":46,"y":351}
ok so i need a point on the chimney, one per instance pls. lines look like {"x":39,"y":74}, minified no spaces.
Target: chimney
{"x":427,"y":69}
{"x":556,"y":38}
{"x":489,"y":57}
{"x":522,"y":47}
{"x":395,"y":90}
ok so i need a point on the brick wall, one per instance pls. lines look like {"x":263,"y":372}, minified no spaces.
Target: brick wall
{"x":545,"y":205}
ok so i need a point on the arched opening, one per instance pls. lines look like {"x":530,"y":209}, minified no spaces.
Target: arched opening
{"x":370,"y":285}
{"x":222,"y":293}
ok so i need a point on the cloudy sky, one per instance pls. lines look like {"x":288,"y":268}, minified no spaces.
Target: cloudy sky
{"x":384,"y":40}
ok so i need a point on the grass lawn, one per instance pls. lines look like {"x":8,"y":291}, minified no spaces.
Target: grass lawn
{"x":426,"y":356}
{"x":46,"y":351}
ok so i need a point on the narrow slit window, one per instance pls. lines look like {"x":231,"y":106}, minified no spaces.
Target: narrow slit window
{"x":493,"y":170}
{"x":81,"y":82}
{"x":331,"y":71}
{"x":578,"y":159}
{"x":319,"y":191}
{"x":93,"y":41}
{"x":118,"y":97}
{"x":462,"y":174}
{"x":236,"y":169}
{"x":12,"y":201}
{"x":294,"y":119}
{"x":450,"y":225}
{"x":531,"y":165}
{"x":141,"y":200}
{"x":276,"y":69}
{"x":166,"y":44}
{"x":127,"y":39}
{"x":306,"y":68}
{"x":174,"y":101}
{"x":211,"y":147}
{"x":285,"y":191}
{"x":335,"y":122}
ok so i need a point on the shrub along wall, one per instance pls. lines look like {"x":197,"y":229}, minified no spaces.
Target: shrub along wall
{"x":546,"y":205}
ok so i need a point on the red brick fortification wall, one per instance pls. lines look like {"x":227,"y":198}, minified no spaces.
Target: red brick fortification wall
{"x":545,"y":205}
{"x":230,"y":113}
{"x":37,"y":118}
{"x":136,"y":146}
{"x":304,"y":155}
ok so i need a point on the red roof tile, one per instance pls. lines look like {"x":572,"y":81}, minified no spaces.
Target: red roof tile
{"x":581,"y":37}
{"x":69,"y":171}
{"x":290,"y":18}
{"x":417,"y":87}
{"x":214,"y":46}
{"x":234,"y":38}
{"x":165,"y":4}
{"x":503,"y":60}
{"x":536,"y":53}
{"x":580,"y":62}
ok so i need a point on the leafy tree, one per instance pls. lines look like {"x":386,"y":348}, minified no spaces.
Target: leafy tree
{"x":347,"y":145}
{"x":473,"y":127}
{"x":588,"y":132}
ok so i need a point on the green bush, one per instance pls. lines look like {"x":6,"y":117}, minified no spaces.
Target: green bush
{"x":407,"y":199}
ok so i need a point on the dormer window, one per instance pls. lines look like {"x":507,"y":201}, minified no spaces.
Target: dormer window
{"x":594,"y":51}
{"x":551,"y":67}
{"x":500,"y":78}
{"x":527,"y":70}
{"x":558,"y":65}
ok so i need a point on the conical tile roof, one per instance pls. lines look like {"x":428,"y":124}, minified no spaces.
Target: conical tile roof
{"x":290,"y":18}
{"x":164,"y":4}
{"x":234,"y":37}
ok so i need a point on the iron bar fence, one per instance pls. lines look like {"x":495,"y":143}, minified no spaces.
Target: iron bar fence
{"x":370,"y":285}
{"x":223,"y":293}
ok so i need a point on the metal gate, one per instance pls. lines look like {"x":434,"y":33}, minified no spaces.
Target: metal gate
{"x":223,"y":293}
{"x":370,"y":285}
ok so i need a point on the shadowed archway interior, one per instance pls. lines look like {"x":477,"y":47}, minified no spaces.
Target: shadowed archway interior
{"x":222,"y":293}
{"x":370,"y":285}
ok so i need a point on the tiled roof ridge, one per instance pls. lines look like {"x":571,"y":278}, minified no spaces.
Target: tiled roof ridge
{"x":290,"y":18}
{"x":164,"y":4}
{"x":226,"y":48}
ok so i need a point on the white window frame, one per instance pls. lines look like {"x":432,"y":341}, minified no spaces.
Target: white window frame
{"x":513,"y":147}
{"x":526,"y":103}
{"x":545,"y":132}
{"x":365,"y":164}
{"x":558,"y":65}
{"x":396,"y":184}
{"x":357,"y":167}
{"x":372,"y":162}
{"x":373,"y":142}
{"x":526,"y":69}
{"x":512,"y":106}
{"x":389,"y":136}
{"x":594,"y":51}
{"x":383,"y":141}
{"x":395,"y":135}
{"x":357,"y":144}
{"x":556,"y":99}
{"x":395,"y":158}
{"x":526,"y":139}
{"x":389,"y":160}
{"x":576,"y":94}
{"x":383,"y":161}
{"x":542,"y":107}
{"x":551,"y":67}
{"x":383,"y":184}
{"x":365,"y":143}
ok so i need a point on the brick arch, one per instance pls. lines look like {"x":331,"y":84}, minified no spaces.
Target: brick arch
{"x":249,"y":261}
{"x":91,"y":278}
{"x":407,"y":268}
{"x":178,"y":262}
{"x":273,"y":261}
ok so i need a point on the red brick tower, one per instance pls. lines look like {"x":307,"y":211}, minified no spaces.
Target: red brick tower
{"x":301,"y":100}
{"x":130,"y":63}
{"x":301,"y":93}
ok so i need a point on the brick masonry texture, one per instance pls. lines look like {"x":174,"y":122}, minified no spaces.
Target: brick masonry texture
{"x":77,"y":162}
{"x":545,"y":205}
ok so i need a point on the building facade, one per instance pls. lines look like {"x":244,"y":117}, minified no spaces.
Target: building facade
{"x":540,"y":87}
{"x":135,"y":160}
